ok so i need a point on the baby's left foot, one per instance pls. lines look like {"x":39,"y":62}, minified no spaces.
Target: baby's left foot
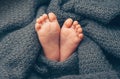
{"x":70,"y":37}
{"x":48,"y":31}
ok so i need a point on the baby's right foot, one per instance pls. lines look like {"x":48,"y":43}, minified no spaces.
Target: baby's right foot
{"x":70,"y":37}
{"x":48,"y":31}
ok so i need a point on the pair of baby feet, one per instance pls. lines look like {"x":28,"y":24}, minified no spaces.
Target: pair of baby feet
{"x":58,"y":44}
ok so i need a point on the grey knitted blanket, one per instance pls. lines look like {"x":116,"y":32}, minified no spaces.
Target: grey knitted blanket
{"x":97,"y":56}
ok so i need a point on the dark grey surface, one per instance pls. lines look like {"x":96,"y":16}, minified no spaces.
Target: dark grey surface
{"x":97,"y":56}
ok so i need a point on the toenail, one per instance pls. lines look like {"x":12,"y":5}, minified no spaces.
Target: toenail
{"x":77,"y":26}
{"x":40,"y":16}
{"x":70,"y":19}
{"x":45,"y":15}
{"x":37,"y":20}
{"x":51,"y":13}
{"x":52,"y":16}
{"x":75,"y":22}
{"x":37,"y":24}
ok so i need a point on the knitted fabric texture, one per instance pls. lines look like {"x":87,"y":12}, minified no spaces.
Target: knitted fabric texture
{"x":97,"y":56}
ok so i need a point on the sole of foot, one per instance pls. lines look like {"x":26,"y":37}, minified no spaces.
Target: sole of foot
{"x":70,"y":37}
{"x":48,"y":31}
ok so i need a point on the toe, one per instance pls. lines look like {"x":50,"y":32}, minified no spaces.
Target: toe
{"x":68,"y":23}
{"x":37,"y":26}
{"x":52,"y":16}
{"x":41,"y":19}
{"x":75,"y":23}
{"x":45,"y":17}
{"x":81,"y":36}
{"x":79,"y":30}
{"x":38,"y":20}
{"x":77,"y":27}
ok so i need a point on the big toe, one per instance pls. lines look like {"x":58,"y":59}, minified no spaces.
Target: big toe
{"x":68,"y":23}
{"x":52,"y":16}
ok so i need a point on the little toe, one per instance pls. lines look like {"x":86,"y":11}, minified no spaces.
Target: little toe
{"x":68,"y":23}
{"x":81,"y":35}
{"x":37,"y":26}
{"x":52,"y":16}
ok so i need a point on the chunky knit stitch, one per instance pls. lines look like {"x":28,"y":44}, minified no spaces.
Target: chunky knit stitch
{"x":97,"y":56}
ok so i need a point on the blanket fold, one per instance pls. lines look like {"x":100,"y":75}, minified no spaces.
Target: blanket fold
{"x":101,"y":75}
{"x":104,"y":10}
{"x":57,"y":69}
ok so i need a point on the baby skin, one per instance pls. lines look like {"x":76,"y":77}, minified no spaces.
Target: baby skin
{"x":58,"y":44}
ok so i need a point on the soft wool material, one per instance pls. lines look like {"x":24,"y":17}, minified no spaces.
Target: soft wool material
{"x":97,"y":56}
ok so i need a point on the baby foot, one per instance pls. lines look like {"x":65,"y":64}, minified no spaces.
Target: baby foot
{"x":48,"y":31}
{"x":70,"y":37}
